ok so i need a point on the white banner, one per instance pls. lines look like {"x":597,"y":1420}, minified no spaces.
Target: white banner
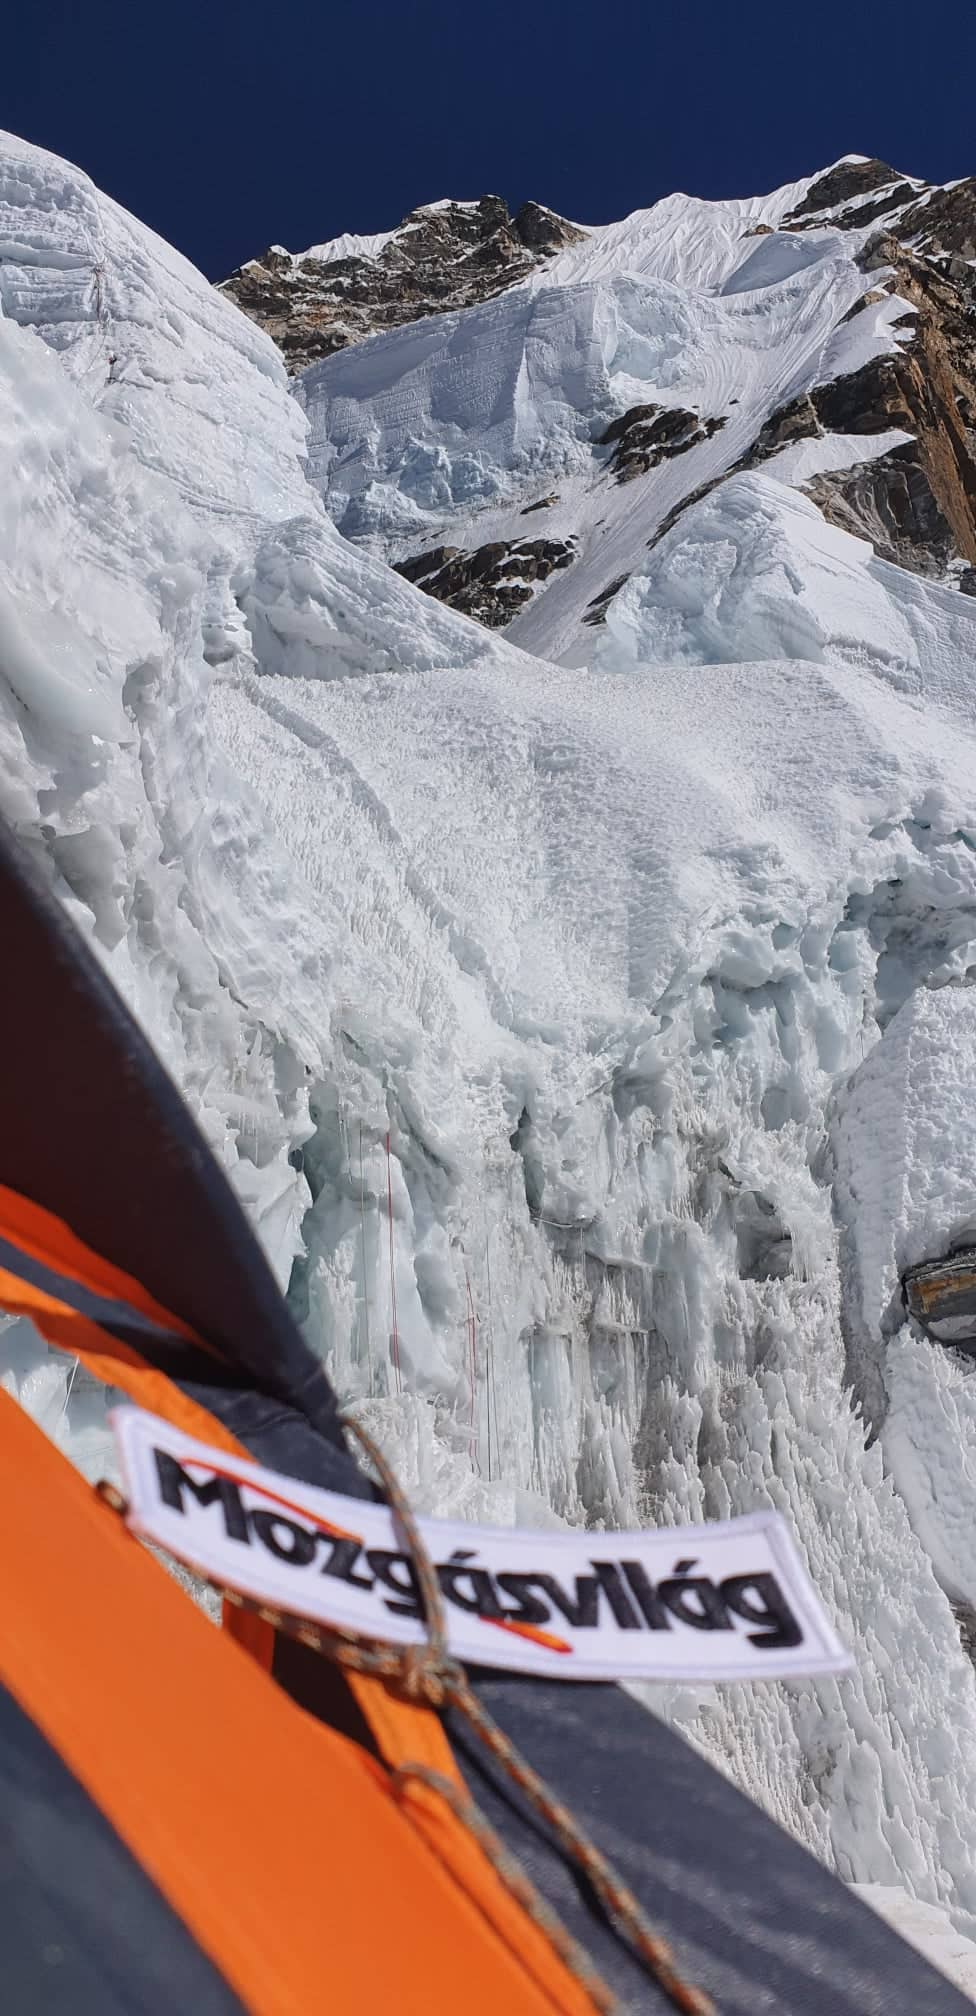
{"x":728,"y":1601}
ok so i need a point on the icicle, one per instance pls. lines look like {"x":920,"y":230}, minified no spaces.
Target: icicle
{"x":394,"y":1332}
{"x":362,"y":1224}
{"x":491,"y":1404}
{"x":472,"y":1366}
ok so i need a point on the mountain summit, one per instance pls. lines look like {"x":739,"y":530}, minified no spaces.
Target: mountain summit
{"x":518,"y":452}
{"x":444,"y":255}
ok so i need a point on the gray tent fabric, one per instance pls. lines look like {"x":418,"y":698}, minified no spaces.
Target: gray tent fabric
{"x":754,"y":1919}
{"x":83,"y":1930}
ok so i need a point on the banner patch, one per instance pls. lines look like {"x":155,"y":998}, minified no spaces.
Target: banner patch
{"x":726,"y":1601}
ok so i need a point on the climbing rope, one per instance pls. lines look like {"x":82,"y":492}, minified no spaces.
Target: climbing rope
{"x":426,"y":1673}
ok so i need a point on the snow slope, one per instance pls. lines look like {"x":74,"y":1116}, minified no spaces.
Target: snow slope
{"x":600,"y":951}
{"x":142,"y":334}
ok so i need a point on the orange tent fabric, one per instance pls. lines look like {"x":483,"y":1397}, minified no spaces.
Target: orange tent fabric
{"x":279,"y":1843}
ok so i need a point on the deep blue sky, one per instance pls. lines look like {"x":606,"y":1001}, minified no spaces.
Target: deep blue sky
{"x":229,"y":124}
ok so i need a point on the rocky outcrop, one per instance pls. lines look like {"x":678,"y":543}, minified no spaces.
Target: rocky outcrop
{"x":695,"y":496}
{"x":596,"y":611}
{"x":448,"y":255}
{"x":890,"y":502}
{"x":493,"y":582}
{"x":870,"y":401}
{"x":646,"y":435}
{"x":917,"y":505}
{"x":944,"y":222}
{"x":861,"y":214}
{"x":936,"y":377}
{"x":842,"y":184}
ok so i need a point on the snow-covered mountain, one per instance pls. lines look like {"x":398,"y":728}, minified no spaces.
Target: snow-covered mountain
{"x":444,"y":255}
{"x":518,"y":462}
{"x":646,"y":942}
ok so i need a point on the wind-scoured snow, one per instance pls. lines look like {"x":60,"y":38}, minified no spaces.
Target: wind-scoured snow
{"x":608,"y":954}
{"x":201,"y":393}
{"x":683,"y":239}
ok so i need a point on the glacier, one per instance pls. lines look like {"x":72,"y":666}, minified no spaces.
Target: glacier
{"x":602,"y":991}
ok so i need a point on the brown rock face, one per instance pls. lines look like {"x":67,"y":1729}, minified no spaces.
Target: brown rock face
{"x":861,"y":214}
{"x":917,"y":505}
{"x":890,"y":502}
{"x":492,"y":583}
{"x":945,"y":221}
{"x":843,"y":183}
{"x":647,"y":435}
{"x":451,"y":256}
{"x":937,"y":381}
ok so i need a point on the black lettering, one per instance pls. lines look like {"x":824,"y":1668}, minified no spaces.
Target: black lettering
{"x":651,"y":1608}
{"x":283,"y":1538}
{"x":694,"y":1599}
{"x":583,"y":1610}
{"x":608,"y":1576}
{"x":399,"y":1574}
{"x":760,"y":1600}
{"x":342,"y":1562}
{"x":538,"y":1596}
{"x":528,"y":1608}
{"x":467,"y":1588}
{"x":222,"y":1491}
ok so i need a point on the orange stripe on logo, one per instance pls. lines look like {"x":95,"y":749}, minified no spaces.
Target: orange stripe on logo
{"x":247,"y":1484}
{"x":547,"y":1639}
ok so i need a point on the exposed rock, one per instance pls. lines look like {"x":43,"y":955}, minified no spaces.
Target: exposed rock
{"x":861,"y":214}
{"x":927,"y":389}
{"x":596,"y":611}
{"x":890,"y":502}
{"x":543,"y":232}
{"x":446,"y":256}
{"x":796,"y":421}
{"x":944,"y":221}
{"x":869,"y":401}
{"x":541,"y":504}
{"x":694,"y":497}
{"x":866,"y":301}
{"x":647,"y":435}
{"x":492,"y":583}
{"x":843,"y":183}
{"x":937,"y":380}
{"x":420,"y":565}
